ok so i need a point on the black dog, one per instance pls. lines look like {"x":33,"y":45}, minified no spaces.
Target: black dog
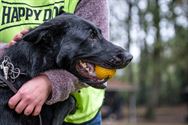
{"x":66,"y":42}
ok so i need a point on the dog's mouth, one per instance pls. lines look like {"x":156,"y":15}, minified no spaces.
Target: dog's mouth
{"x":87,"y":71}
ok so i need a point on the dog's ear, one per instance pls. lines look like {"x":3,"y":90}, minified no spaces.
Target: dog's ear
{"x":38,"y":34}
{"x":66,"y":53}
{"x":62,"y":55}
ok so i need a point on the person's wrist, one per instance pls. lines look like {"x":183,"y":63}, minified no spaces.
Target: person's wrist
{"x":47,"y":82}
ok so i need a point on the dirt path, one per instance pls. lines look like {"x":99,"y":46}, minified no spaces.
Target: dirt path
{"x":164,"y":116}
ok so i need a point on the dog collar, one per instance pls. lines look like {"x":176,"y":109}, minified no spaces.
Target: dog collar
{"x":10,"y":73}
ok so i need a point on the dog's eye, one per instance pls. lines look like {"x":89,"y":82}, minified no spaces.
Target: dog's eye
{"x":93,"y":34}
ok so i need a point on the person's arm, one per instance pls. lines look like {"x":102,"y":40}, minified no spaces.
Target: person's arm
{"x":63,"y":83}
{"x":33,"y":94}
{"x":93,"y":10}
{"x":96,"y":11}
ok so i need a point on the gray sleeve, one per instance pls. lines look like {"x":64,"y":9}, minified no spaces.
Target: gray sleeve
{"x":63,"y":83}
{"x":96,"y":11}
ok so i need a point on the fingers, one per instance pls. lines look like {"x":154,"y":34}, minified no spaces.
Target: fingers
{"x":13,"y":101}
{"x":37,"y":110}
{"x":25,"y":31}
{"x":26,"y":104}
{"x":33,"y":108}
{"x":20,"y":101}
{"x":31,"y":96}
{"x":20,"y":107}
{"x":29,"y":109}
{"x":18,"y":36}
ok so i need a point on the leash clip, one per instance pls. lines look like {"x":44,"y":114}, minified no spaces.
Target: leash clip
{"x":5,"y":71}
{"x":9,"y":71}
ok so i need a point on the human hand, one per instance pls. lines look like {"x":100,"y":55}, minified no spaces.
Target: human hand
{"x":18,"y":36}
{"x":31,"y":96}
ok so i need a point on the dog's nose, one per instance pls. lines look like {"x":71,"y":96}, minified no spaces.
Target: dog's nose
{"x":123,"y":58}
{"x":128,"y":58}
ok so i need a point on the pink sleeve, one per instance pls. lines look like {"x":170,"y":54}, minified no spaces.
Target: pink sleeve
{"x":63,"y":82}
{"x":96,"y":11}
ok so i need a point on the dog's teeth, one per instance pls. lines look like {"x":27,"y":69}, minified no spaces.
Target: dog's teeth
{"x":87,"y":69}
{"x":92,"y":73}
{"x":83,"y":64}
{"x":105,"y":84}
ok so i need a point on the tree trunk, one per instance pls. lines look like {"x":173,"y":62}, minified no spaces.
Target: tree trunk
{"x":129,"y":68}
{"x":156,"y":71}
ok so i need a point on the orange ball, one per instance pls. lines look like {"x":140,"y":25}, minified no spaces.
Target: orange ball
{"x":103,"y":73}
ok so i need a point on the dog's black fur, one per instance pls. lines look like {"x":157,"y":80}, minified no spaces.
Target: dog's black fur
{"x":58,"y":44}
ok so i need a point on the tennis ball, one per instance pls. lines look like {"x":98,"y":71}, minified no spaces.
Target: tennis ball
{"x":103,"y":73}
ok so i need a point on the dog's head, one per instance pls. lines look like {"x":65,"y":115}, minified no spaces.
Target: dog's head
{"x":78,"y":46}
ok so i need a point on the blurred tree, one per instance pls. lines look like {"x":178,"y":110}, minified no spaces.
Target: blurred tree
{"x":128,"y":22}
{"x":144,"y":59}
{"x":160,"y":29}
{"x":156,"y":61}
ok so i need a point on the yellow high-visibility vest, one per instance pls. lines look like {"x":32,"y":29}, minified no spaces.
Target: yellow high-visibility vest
{"x":16,"y":15}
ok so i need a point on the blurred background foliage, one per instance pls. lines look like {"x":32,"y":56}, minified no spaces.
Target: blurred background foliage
{"x":156,"y":33}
